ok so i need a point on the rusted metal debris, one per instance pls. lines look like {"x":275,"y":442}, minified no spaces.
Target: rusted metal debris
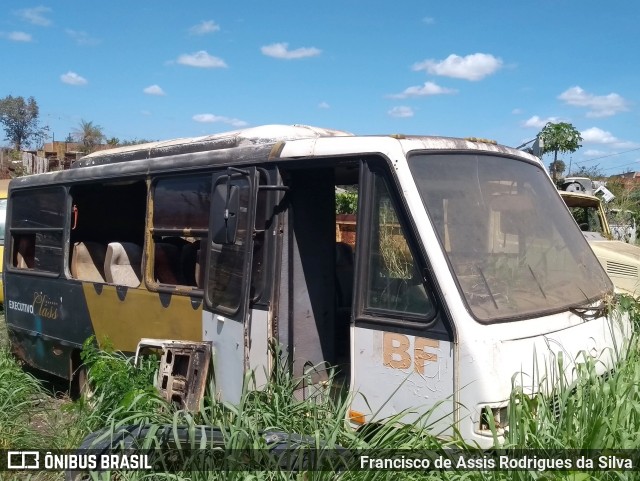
{"x":183,"y":370}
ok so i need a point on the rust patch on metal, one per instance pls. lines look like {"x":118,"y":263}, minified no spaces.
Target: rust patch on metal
{"x":183,"y":370}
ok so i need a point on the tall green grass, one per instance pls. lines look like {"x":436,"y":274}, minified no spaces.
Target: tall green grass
{"x":20,"y":397}
{"x":595,"y":412}
{"x":4,"y":336}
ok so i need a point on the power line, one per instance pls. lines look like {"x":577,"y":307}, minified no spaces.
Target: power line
{"x":608,"y":155}
{"x":623,"y":165}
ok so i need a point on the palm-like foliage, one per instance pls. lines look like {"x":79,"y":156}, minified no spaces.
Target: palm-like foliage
{"x":88,"y":134}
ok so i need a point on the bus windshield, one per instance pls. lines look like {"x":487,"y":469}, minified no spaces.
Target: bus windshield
{"x":513,"y":247}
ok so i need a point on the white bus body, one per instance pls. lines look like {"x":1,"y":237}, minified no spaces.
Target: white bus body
{"x":467,"y":276}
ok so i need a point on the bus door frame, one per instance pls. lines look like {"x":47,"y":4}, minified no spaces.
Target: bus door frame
{"x":227,"y":329}
{"x":401,"y":362}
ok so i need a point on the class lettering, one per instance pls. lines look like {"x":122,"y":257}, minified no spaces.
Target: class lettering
{"x":44,"y":306}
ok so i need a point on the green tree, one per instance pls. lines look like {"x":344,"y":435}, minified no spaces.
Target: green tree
{"x":19,"y":118}
{"x":113,"y":142}
{"x":135,"y":141}
{"x":346,"y":202}
{"x":557,"y":168}
{"x":90,"y":135}
{"x":561,"y":137}
{"x":593,"y":172}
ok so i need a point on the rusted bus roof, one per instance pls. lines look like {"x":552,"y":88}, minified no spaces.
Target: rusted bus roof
{"x":245,"y":147}
{"x":266,"y":134}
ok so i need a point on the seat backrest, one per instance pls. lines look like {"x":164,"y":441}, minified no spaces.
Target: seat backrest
{"x":122,"y":265}
{"x":189,"y":263}
{"x":201,"y":257}
{"x":87,"y":261}
{"x":165,"y":263}
{"x":25,"y":252}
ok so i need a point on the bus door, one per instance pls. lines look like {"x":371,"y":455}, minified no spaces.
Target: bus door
{"x":402,"y":347}
{"x":228,"y":277}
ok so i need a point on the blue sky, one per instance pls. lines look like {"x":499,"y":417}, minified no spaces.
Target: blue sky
{"x":494,"y":69}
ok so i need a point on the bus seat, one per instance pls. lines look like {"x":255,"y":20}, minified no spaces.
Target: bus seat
{"x":25,"y":253}
{"x":165,"y":264}
{"x":176,"y":241}
{"x":87,"y":261}
{"x":122,"y":264}
{"x":199,"y":270}
{"x":189,"y":262}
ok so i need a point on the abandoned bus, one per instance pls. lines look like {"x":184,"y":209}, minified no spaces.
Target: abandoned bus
{"x":465,"y":268}
{"x":4,"y":186}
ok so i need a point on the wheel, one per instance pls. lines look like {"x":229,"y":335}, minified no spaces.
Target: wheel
{"x":80,"y":386}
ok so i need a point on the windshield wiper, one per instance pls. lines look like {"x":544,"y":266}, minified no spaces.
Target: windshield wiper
{"x":486,"y":285}
{"x":589,"y":313}
{"x":536,"y":279}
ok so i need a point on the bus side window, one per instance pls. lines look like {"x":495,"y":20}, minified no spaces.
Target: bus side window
{"x":394,"y":281}
{"x":107,"y":231}
{"x":36,"y":229}
{"x":180,"y":224}
{"x":3,"y":216}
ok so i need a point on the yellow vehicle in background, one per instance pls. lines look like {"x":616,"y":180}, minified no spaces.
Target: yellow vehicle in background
{"x":620,"y":260}
{"x":4,"y":187}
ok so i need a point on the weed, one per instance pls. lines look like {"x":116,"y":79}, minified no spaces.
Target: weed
{"x":589,"y":412}
{"x":118,"y":388}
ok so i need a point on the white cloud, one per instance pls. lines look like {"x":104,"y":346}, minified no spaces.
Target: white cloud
{"x":81,"y":38}
{"x":18,"y":36}
{"x":204,"y":27}
{"x":429,"y":20}
{"x":154,"y":90}
{"x":429,"y":88}
{"x":594,"y":153}
{"x":401,"y":112}
{"x":73,"y":78}
{"x":201,"y":59}
{"x":211,"y":118}
{"x":599,"y":105}
{"x":626,"y":144}
{"x":36,"y":15}
{"x":324,"y":105}
{"x":595,"y":135}
{"x":598,"y":136}
{"x":538,"y":122}
{"x":281,"y":50}
{"x":472,"y":67}
{"x":517,"y":111}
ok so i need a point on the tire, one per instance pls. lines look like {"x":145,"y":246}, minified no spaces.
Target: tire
{"x":80,"y":386}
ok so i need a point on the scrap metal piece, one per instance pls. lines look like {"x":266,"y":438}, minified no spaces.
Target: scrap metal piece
{"x":183,"y":370}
